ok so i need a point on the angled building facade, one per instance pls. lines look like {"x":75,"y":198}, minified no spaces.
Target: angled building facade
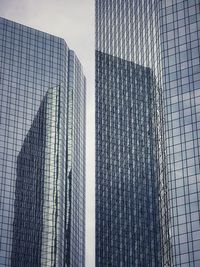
{"x":43,"y":150}
{"x":180,"y":42}
{"x":147,"y":124}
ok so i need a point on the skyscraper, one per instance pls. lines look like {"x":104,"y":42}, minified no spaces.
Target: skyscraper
{"x":180,"y":34}
{"x":147,"y":123}
{"x":42,"y":199}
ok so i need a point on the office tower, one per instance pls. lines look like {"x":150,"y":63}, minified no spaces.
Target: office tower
{"x":180,"y":32}
{"x":42,"y":185}
{"x":130,"y":154}
{"x":147,"y":122}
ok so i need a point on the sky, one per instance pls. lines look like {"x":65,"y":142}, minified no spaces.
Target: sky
{"x":72,"y":20}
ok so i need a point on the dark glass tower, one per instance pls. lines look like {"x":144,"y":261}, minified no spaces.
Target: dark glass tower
{"x":127,"y":164}
{"x":131,"y":214}
{"x":42,"y":184}
{"x":147,"y":123}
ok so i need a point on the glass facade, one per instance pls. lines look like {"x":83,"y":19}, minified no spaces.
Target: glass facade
{"x":131,"y":199}
{"x":127,"y":164}
{"x":42,"y":159}
{"x":180,"y":33}
{"x":147,"y":124}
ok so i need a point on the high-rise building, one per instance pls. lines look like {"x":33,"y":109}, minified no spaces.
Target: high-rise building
{"x":147,"y":141}
{"x":180,"y":43}
{"x":42,"y":159}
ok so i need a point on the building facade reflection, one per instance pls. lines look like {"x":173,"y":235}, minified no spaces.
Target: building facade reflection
{"x":129,"y":165}
{"x":33,"y":175}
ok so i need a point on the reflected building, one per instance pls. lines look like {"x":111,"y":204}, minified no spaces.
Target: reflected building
{"x":32,"y":177}
{"x":161,"y":39}
{"x":42,"y":210}
{"x":128,"y":166}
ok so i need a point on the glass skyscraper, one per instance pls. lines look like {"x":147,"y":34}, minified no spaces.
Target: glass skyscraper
{"x":42,"y":159}
{"x":180,"y":42}
{"x":147,"y":133}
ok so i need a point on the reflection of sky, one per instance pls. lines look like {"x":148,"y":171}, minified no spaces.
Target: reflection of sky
{"x":182,"y":78}
{"x":74,"y":21}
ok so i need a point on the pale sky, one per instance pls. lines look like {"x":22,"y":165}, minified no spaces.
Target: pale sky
{"x":72,"y":20}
